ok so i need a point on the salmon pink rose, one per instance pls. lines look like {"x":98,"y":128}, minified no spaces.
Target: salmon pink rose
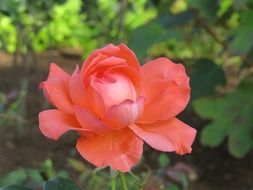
{"x":115,"y":105}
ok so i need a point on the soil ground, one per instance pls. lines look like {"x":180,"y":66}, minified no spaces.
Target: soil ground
{"x":215,"y":168}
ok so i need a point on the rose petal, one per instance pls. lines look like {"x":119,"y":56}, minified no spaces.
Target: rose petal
{"x":131,"y":73}
{"x":125,"y":113}
{"x":171,"y":135}
{"x":163,"y":68}
{"x":54,"y":123}
{"x":120,"y":51}
{"x":114,"y":88}
{"x":56,"y":88}
{"x":108,"y":63}
{"x":77,"y":90}
{"x":119,"y":150}
{"x":96,"y":102}
{"x":166,"y":90}
{"x":129,"y":56}
{"x":89,"y":121}
{"x":163,"y":100}
{"x":98,"y":55}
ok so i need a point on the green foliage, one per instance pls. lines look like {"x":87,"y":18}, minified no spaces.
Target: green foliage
{"x":206,"y":8}
{"x":64,"y":23}
{"x":231,"y":118}
{"x":173,"y":187}
{"x":205,"y":78}
{"x":66,"y":28}
{"x":2,"y":101}
{"x":163,"y":160}
{"x":59,"y":183}
{"x":140,"y":43}
{"x":242,"y":35}
{"x":208,"y":37}
{"x":11,"y":114}
{"x":31,"y":177}
{"x":14,"y":187}
{"x":15,"y":177}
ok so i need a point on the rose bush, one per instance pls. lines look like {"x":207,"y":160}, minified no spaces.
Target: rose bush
{"x":115,"y":105}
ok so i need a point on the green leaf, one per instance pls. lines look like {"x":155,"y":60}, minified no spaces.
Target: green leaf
{"x":35,"y":176}
{"x":224,"y":7}
{"x":173,"y":187}
{"x":164,"y":160}
{"x":2,"y":101}
{"x":77,"y":165}
{"x":231,"y":116}
{"x":239,"y":4}
{"x":170,"y":21}
{"x":59,"y":183}
{"x":16,"y":177}
{"x":214,"y":134}
{"x":48,"y":168}
{"x":142,"y":38}
{"x":206,"y":8}
{"x":14,"y":187}
{"x":205,"y":78}
{"x":243,"y":35}
{"x":240,"y":142}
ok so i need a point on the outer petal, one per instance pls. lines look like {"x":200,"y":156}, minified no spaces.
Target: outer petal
{"x":89,"y":121}
{"x":56,"y":88}
{"x":125,"y":113}
{"x":119,"y":150}
{"x":163,"y":100}
{"x":163,"y":68}
{"x":171,"y":135}
{"x":77,"y":90}
{"x":54,"y":123}
{"x":166,"y":89}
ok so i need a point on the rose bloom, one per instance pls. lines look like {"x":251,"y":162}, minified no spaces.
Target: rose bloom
{"x":115,"y":105}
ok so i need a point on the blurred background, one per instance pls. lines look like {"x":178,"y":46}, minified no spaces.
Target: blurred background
{"x":212,"y":38}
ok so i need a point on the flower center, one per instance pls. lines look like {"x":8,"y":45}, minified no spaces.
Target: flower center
{"x":114,"y":88}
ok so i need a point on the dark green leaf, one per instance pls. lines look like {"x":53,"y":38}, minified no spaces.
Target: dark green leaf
{"x":59,"y":183}
{"x":230,"y":118}
{"x":206,"y":8}
{"x":171,"y":21}
{"x":14,"y":187}
{"x":206,"y":77}
{"x":147,"y":35}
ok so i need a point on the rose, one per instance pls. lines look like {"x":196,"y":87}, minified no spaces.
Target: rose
{"x":115,"y":105}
